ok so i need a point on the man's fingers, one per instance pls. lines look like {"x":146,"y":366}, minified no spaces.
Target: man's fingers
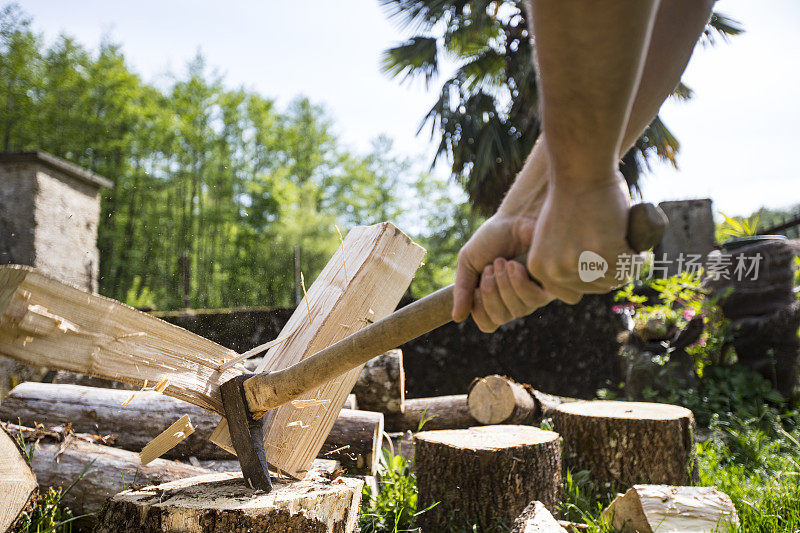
{"x":463,"y":289}
{"x":508,"y":293}
{"x":525,"y":288}
{"x":479,"y":315}
{"x":490,"y":296}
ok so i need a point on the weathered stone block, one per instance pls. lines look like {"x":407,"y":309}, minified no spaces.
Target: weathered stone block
{"x":49,"y":211}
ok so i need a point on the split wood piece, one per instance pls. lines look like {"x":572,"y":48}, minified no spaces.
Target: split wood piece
{"x":355,"y":441}
{"x":381,"y":386}
{"x":535,"y":518}
{"x":46,"y":322}
{"x":167,"y":440}
{"x":110,"y":470}
{"x":651,"y":508}
{"x":70,"y":378}
{"x":17,"y":482}
{"x":381,"y":261}
{"x":625,"y":443}
{"x":497,"y":399}
{"x":222,"y":502}
{"x":99,"y":411}
{"x":485,"y":475}
{"x":438,"y":412}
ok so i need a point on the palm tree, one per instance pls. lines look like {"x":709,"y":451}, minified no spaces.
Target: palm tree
{"x":486,"y":114}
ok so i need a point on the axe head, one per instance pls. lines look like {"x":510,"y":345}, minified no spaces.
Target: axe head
{"x":247,"y":434}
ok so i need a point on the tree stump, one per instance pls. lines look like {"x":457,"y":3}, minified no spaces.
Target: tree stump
{"x":222,"y":503}
{"x":17,"y":482}
{"x":627,"y":443}
{"x":485,"y":475}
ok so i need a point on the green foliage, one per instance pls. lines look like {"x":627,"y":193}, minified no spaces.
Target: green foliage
{"x":736,"y":227}
{"x":755,"y":462}
{"x":582,"y":499}
{"x":138,"y":296}
{"x":485,"y":118}
{"x":394,"y":507}
{"x":49,"y":515}
{"x":221,"y":176}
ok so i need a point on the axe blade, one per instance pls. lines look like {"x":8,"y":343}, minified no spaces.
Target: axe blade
{"x":247,"y":434}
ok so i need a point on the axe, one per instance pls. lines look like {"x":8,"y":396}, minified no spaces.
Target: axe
{"x":248,"y":399}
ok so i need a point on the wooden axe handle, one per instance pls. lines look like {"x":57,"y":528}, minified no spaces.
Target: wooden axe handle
{"x":646,"y":225}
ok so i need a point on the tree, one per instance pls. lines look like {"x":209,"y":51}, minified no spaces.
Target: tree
{"x":486,"y":115}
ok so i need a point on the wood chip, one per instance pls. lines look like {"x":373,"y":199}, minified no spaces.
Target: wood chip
{"x":167,"y":439}
{"x":302,"y":404}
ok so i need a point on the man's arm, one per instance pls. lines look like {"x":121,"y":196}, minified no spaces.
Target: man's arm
{"x":505,"y":292}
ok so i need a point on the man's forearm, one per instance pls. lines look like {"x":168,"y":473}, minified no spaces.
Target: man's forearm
{"x":590,"y":57}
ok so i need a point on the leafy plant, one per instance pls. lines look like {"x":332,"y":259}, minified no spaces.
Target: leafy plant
{"x":738,"y":226}
{"x":49,"y":515}
{"x":394,"y":507}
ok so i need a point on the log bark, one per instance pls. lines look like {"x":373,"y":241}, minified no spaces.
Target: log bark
{"x":355,"y":441}
{"x":535,"y":518}
{"x":485,"y":475}
{"x":96,"y":410}
{"x":626,"y":443}
{"x":650,"y":508}
{"x":381,"y":385}
{"x":221,"y":503}
{"x":497,"y":399}
{"x":17,"y":482}
{"x":438,"y":412}
{"x":380,"y":262}
{"x":108,"y":470}
{"x":100,"y":411}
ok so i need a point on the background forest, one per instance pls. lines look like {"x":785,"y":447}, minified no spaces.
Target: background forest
{"x":218,"y":175}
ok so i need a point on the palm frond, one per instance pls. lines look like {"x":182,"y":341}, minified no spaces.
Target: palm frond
{"x":472,"y":36}
{"x":722,"y":26}
{"x":421,"y":15}
{"x":682,"y":92}
{"x":487,"y":68}
{"x":417,"y":56}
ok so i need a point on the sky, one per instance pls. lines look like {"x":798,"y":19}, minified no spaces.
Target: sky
{"x":739,"y":135}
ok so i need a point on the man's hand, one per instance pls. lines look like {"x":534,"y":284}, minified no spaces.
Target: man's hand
{"x":581,"y":215}
{"x":505,"y":290}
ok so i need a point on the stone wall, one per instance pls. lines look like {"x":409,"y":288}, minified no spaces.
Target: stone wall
{"x":17,"y":225}
{"x":49,"y":212}
{"x":67,"y":212}
{"x":560,"y":349}
{"x":690,"y":231}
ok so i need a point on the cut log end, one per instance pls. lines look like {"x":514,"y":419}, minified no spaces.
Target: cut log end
{"x":221,"y":502}
{"x":17,"y":482}
{"x":497,"y":400}
{"x":626,"y":410}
